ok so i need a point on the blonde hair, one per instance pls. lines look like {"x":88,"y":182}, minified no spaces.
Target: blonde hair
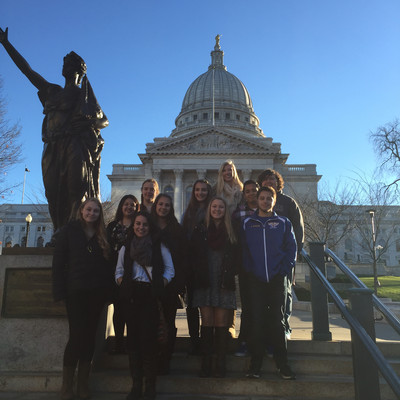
{"x":220,"y":180}
{"x":156,"y":188}
{"x":227,"y":219}
{"x":100,"y":234}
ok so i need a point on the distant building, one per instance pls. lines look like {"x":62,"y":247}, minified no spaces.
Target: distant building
{"x":13,"y":225}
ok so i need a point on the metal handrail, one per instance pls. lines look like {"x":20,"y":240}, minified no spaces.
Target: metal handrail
{"x":385,"y":368}
{"x":390,"y":317}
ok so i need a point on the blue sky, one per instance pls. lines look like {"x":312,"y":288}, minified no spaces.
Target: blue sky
{"x":321,"y":74}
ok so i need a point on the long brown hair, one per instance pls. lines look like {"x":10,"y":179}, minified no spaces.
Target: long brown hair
{"x":100,"y":230}
{"x":193,"y":206}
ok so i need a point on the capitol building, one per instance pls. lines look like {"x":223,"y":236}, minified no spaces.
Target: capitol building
{"x":216,"y":122}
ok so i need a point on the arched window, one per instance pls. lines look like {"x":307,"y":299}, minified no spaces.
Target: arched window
{"x":348,"y":244}
{"x":40,"y":241}
{"x":169,"y":190}
{"x":8,"y":241}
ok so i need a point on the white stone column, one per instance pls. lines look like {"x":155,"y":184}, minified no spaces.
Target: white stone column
{"x":246,"y":174}
{"x":201,"y":173}
{"x":156,"y":176}
{"x":178,"y":193}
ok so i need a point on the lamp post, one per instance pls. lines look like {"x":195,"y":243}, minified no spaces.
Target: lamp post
{"x":376,"y":281}
{"x":28,"y":220}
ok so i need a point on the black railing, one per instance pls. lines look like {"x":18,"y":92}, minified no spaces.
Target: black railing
{"x":360,"y":318}
{"x":389,"y":316}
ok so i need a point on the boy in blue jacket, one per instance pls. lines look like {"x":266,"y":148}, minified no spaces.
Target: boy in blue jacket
{"x":269,"y":254}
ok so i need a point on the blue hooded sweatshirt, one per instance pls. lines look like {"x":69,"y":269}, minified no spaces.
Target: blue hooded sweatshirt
{"x":269,"y":246}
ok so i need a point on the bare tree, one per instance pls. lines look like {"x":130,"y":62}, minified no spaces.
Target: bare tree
{"x":376,"y":220}
{"x":386,"y":141}
{"x":330,"y":218}
{"x":10,"y":147}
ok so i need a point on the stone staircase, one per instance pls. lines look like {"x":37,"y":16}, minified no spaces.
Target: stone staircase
{"x":324,"y":371}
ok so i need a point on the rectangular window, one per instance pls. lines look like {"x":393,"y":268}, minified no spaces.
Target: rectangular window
{"x":237,"y":117}
{"x":216,"y":115}
{"x":227,"y":116}
{"x":205,"y":115}
{"x":194,"y":117}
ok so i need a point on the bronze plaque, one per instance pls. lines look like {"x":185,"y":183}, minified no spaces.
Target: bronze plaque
{"x":28,"y":294}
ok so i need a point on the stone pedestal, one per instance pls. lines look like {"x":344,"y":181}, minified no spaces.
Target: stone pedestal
{"x":34,"y":329}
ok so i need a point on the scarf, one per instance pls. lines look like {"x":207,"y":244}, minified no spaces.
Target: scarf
{"x":141,"y":250}
{"x":217,"y":236}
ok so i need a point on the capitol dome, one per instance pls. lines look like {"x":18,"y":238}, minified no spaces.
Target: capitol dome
{"x":217,"y":98}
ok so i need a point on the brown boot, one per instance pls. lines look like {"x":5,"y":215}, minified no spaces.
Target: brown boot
{"x":67,"y":392}
{"x":83,"y":380}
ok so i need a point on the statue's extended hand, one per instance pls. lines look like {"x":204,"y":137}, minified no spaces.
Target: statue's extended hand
{"x":3,"y":36}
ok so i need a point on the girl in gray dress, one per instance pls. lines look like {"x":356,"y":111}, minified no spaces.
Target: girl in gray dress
{"x":215,"y":256}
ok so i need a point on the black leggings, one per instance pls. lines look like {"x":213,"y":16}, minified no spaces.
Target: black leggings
{"x":84,"y":309}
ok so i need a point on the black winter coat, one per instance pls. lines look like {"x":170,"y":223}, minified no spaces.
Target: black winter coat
{"x":79,"y":263}
{"x":199,"y":261}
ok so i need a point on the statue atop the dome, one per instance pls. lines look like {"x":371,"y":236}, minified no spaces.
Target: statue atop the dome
{"x":70,"y":132}
{"x":217,"y":46}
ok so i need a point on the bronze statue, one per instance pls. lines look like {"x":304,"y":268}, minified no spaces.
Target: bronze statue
{"x":70,"y":132}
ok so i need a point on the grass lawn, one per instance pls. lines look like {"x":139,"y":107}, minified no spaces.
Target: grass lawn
{"x":390,"y":286}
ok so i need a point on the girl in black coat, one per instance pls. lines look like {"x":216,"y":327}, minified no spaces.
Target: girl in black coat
{"x":215,"y":256}
{"x":173,"y":236}
{"x":194,"y":215}
{"x":82,"y":277}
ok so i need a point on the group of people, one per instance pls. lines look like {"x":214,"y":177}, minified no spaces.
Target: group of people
{"x":145,"y":262}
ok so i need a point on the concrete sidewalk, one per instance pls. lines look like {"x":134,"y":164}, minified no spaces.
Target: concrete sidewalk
{"x":301,"y":323}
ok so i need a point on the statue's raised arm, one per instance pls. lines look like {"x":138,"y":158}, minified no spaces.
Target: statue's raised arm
{"x":70,"y":132}
{"x":37,"y":80}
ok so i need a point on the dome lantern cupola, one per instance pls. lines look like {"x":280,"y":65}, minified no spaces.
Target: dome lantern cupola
{"x":217,"y":98}
{"x":217,"y":56}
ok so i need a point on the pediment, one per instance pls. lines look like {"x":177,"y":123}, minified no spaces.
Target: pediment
{"x":213,"y":142}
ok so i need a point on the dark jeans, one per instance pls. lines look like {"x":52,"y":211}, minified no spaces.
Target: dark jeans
{"x":84,"y":309}
{"x":192,"y":314}
{"x":267,"y":301}
{"x":141,"y":313}
{"x":289,"y":301}
{"x":119,"y":315}
{"x":244,"y":288}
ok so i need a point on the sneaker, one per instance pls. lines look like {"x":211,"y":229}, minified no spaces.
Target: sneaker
{"x":242,"y":350}
{"x":286,"y":373}
{"x":252,"y":374}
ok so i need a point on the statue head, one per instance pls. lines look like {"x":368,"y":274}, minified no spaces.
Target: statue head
{"x":74,"y":64}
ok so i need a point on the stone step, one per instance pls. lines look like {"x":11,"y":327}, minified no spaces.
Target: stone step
{"x":304,"y":364}
{"x":187,"y":386}
{"x":334,"y":347}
